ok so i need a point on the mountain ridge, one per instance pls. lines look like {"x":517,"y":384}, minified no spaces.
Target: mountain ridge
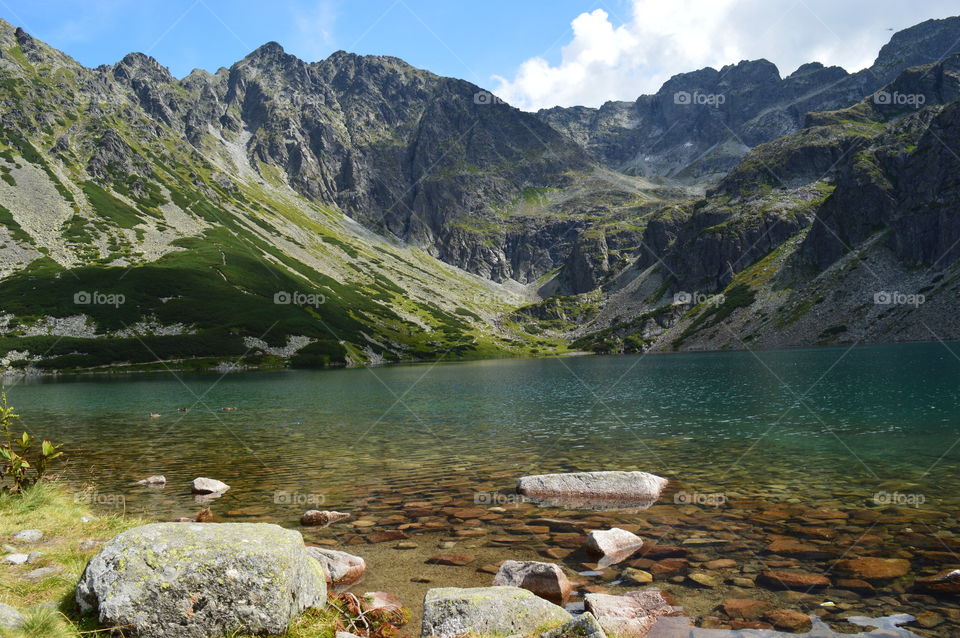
{"x":431,"y":219}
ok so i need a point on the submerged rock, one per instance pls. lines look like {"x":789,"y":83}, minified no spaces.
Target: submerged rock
{"x":453,"y":560}
{"x":209,"y":486}
{"x":633,"y":614}
{"x":503,"y":611}
{"x":546,"y":580}
{"x":792,"y":580}
{"x":153,"y":480}
{"x":313,"y":518}
{"x":593,"y":489}
{"x":613,"y":545}
{"x":173,"y":580}
{"x":872,"y":568}
{"x":945,"y":582}
{"x":341,"y":569}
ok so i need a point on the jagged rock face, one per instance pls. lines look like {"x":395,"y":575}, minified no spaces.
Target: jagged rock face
{"x":589,"y":262}
{"x":699,"y":124}
{"x":912,"y":192}
{"x":397,"y":148}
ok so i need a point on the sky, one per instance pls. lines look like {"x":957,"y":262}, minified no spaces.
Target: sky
{"x":532,"y":53}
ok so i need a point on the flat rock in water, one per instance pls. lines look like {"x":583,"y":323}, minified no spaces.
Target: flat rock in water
{"x":341,"y":569}
{"x":613,"y":545}
{"x":10,"y":618}
{"x":593,"y":490}
{"x":501,"y":611}
{"x":153,"y":480}
{"x":546,"y":580}
{"x":583,"y":626}
{"x":255,"y":578}
{"x":631,"y":615}
{"x":208,"y":486}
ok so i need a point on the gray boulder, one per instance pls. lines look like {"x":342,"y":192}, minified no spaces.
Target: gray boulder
{"x":10,"y":618}
{"x":485,"y":611}
{"x":28,"y":536}
{"x":184,"y":580}
{"x":593,"y":489}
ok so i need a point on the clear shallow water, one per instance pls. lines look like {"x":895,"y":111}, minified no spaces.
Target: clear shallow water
{"x":808,"y":430}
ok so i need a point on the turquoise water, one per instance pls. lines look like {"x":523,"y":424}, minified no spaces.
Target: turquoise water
{"x":819,"y":428}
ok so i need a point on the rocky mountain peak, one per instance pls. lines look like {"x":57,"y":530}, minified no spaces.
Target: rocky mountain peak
{"x":924,"y":43}
{"x":143,"y":67}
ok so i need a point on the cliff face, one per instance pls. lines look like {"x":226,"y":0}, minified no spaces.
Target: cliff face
{"x":699,"y":124}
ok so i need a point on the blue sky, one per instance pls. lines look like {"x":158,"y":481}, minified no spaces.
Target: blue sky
{"x":534,"y":53}
{"x":472,"y":40}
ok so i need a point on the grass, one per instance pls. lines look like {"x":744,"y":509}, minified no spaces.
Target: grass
{"x":49,"y":605}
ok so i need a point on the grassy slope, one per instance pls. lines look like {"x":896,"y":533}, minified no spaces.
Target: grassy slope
{"x":250,"y":239}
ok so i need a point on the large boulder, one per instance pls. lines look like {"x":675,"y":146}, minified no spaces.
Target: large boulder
{"x":633,"y":614}
{"x":501,"y":611}
{"x":546,"y":580}
{"x":10,"y":618}
{"x":342,"y":569}
{"x":593,"y":489}
{"x":183,"y":580}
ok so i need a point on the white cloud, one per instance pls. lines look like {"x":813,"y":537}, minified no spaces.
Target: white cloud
{"x":614,"y":57}
{"x":313,"y":35}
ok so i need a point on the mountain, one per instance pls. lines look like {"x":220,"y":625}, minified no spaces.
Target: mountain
{"x":358,"y":210}
{"x":844,"y":232}
{"x":699,"y":124}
